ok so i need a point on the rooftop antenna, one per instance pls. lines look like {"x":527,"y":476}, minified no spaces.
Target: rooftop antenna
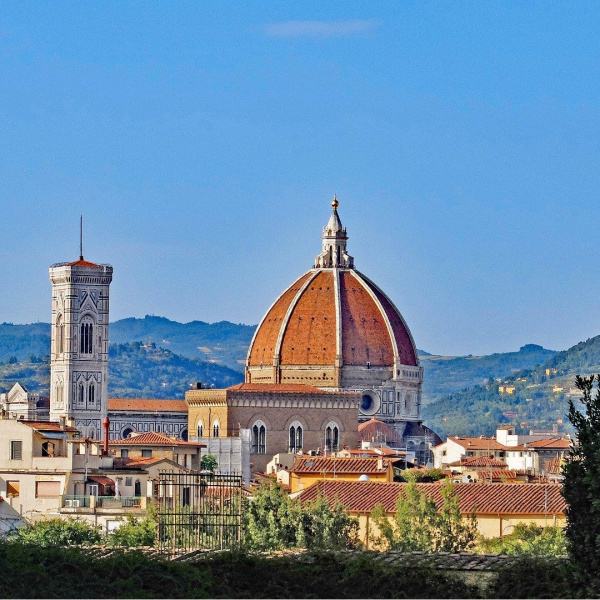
{"x":80,"y":237}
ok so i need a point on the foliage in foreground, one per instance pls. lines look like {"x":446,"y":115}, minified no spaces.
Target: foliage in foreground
{"x":581,"y":487}
{"x":58,"y":532}
{"x":418,"y":525}
{"x":528,"y":539}
{"x":274,"y":521}
{"x":31,"y":572}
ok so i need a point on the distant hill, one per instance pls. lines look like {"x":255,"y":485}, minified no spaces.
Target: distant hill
{"x":224,"y":342}
{"x":534,"y":398}
{"x":135,"y":370}
{"x":445,"y":374}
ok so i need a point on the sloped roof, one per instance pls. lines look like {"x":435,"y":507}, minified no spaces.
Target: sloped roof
{"x":281,"y":388}
{"x":485,"y":499}
{"x":376,"y":430}
{"x":147,"y":405}
{"x":152,"y":438}
{"x":138,"y":462}
{"x":47,"y":426}
{"x":551,"y":444}
{"x":478,"y":461}
{"x":478,"y":443}
{"x":358,"y":466}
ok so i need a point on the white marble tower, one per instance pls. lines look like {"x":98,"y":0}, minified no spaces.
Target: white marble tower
{"x":79,"y":350}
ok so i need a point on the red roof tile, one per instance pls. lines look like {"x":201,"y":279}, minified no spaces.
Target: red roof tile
{"x":152,"y":438}
{"x":281,"y":388}
{"x":485,"y":499}
{"x":321,"y":464}
{"x":478,"y":461}
{"x":48,"y":426}
{"x":478,"y":443}
{"x":134,"y":462}
{"x":374,"y":430}
{"x":82,"y":263}
{"x":147,"y":405}
{"x":550,"y":444}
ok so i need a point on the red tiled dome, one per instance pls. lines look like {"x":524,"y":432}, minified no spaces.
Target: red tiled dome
{"x":329,"y":313}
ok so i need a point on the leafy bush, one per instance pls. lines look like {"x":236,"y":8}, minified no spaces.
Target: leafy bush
{"x":59,"y":532}
{"x":528,"y":539}
{"x":135,"y":532}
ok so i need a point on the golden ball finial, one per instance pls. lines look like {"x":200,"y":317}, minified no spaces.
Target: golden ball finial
{"x":335,"y":202}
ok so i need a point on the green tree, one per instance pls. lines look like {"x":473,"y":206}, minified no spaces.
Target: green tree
{"x":274,"y":521}
{"x":59,"y":532}
{"x":419,"y":525}
{"x":208,"y":463}
{"x":581,"y":487}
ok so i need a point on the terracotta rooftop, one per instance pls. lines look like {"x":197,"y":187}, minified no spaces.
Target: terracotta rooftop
{"x":82,"y":263}
{"x":485,"y":499}
{"x":152,"y":438}
{"x":554,"y":466}
{"x":280,"y":388}
{"x":496,"y":474}
{"x":48,"y":426}
{"x":137,"y":462}
{"x":147,"y":405}
{"x":374,"y":430}
{"x":321,"y":464}
{"x":478,"y":443}
{"x":478,"y":461}
{"x":551,"y":444}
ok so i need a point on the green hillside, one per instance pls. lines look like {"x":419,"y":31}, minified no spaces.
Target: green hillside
{"x":539,"y":399}
{"x":135,"y":371}
{"x":224,"y":342}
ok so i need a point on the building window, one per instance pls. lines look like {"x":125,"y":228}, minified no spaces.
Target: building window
{"x":86,"y":342}
{"x":332,"y":437}
{"x":124,"y":453}
{"x":16,"y":450}
{"x":259,"y":438}
{"x":80,"y":397}
{"x":200,"y":429}
{"x":216,"y":429}
{"x":91,"y":394}
{"x":128,"y":481}
{"x":47,"y":489}
{"x":12,"y":489}
{"x":296,"y":435}
{"x":146,"y":453}
{"x":60,"y":335}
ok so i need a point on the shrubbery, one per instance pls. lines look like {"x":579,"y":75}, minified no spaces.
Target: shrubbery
{"x":528,"y":539}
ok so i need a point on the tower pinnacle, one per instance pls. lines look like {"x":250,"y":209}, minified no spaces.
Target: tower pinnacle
{"x":335,"y":238}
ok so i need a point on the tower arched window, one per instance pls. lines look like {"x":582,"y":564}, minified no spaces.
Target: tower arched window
{"x":60,"y":335}
{"x":296,"y":436}
{"x":200,"y":429}
{"x":80,"y":392}
{"x":91,"y":394}
{"x":86,"y":341}
{"x":216,"y":428}
{"x":332,"y":437}
{"x":259,"y":438}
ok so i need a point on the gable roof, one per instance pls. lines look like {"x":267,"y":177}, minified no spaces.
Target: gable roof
{"x":47,"y":426}
{"x":358,"y":466}
{"x":485,"y":499}
{"x":478,"y":443}
{"x":478,"y":461}
{"x":152,"y":438}
{"x":147,"y":405}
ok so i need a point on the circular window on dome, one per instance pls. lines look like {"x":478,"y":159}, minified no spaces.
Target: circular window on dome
{"x":369,"y":403}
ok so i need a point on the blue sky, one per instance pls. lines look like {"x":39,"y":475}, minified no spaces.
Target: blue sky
{"x":203,"y":142}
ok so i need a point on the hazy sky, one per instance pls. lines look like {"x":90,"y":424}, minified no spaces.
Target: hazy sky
{"x":203,"y":143}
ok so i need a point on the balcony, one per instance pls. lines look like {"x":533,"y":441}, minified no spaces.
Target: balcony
{"x":102,"y":504}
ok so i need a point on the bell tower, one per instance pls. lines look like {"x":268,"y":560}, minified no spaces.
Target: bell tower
{"x":79,"y":348}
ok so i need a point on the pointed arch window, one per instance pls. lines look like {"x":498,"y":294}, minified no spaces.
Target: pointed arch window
{"x":216,"y":428}
{"x":332,"y":437}
{"x":80,"y":396}
{"x":200,"y":429}
{"x":60,"y":335}
{"x":259,"y":438}
{"x":91,"y":394}
{"x":86,"y":341}
{"x":296,"y":436}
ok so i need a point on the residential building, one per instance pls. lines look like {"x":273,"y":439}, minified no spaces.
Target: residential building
{"x":498,"y":507}
{"x":309,"y":469}
{"x":20,"y":402}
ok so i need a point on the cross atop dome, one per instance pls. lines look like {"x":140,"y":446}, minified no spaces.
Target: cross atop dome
{"x":334,"y":238}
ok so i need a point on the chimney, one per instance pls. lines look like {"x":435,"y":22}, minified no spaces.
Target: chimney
{"x":198,"y":385}
{"x":70,"y":421}
{"x":62,"y":421}
{"x":105,"y":425}
{"x":380,"y":464}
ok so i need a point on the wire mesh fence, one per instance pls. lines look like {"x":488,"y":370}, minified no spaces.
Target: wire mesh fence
{"x":198,"y":511}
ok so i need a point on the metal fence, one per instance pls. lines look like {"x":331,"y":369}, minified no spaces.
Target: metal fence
{"x":198,"y":511}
